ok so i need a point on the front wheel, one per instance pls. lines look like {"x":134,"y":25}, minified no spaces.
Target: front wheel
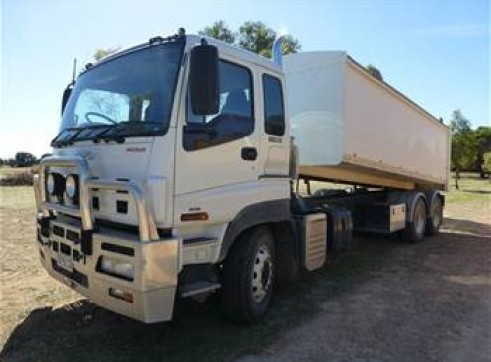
{"x":248,"y":276}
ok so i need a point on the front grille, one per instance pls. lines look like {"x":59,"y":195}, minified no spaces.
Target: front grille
{"x":76,"y":276}
{"x":76,"y":255}
{"x":65,"y":249}
{"x":59,"y":231}
{"x":118,"y":249}
{"x":73,"y":236}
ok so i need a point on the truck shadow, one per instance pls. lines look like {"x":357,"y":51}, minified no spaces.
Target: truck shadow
{"x":482,"y":192}
{"x":82,"y":331}
{"x":466,"y":226}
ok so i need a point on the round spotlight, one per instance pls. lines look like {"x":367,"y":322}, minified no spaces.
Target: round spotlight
{"x":50,"y":184}
{"x":55,"y":184}
{"x":71,"y":186}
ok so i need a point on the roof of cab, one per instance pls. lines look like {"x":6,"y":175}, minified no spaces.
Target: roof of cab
{"x":229,"y":49}
{"x":235,"y":51}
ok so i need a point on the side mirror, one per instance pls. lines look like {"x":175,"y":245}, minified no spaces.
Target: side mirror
{"x":204,"y":80}
{"x":66,"y":95}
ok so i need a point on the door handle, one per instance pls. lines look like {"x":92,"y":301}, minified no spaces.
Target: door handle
{"x":249,"y":153}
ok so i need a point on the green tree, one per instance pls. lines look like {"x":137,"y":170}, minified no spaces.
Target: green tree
{"x":219,"y":30}
{"x":374,"y":72}
{"x":483,"y":140}
{"x":104,"y":52}
{"x":464,"y":144}
{"x":254,"y":36}
{"x":458,"y":123}
{"x":25,"y":159}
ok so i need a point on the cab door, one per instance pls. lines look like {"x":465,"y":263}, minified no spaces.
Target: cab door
{"x":217,"y":155}
{"x":276,"y":142}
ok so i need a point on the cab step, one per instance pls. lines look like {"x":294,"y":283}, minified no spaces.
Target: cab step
{"x":199,"y":250}
{"x":196,"y":288}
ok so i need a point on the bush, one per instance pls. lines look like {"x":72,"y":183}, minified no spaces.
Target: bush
{"x":25,"y":159}
{"x":24,"y":178}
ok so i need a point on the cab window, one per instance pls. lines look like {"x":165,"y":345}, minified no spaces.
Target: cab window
{"x":274,"y":110}
{"x":235,"y":118}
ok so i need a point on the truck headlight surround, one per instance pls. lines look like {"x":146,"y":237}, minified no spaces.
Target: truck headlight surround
{"x":55,"y":184}
{"x":71,"y":187}
{"x":117,"y":268}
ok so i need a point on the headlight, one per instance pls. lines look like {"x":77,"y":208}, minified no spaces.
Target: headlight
{"x":55,"y":184}
{"x":118,"y":268}
{"x":71,"y":187}
{"x":50,"y":184}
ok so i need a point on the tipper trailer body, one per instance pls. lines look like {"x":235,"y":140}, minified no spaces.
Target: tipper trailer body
{"x":174,"y":174}
{"x":351,"y":127}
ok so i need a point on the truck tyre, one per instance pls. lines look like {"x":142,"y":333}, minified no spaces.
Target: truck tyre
{"x":248,"y":276}
{"x":416,"y":229}
{"x":435,"y":217}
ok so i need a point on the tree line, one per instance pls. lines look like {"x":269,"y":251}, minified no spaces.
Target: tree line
{"x":21,"y":159}
{"x":471,"y":149}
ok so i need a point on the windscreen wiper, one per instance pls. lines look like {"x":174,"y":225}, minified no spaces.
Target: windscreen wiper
{"x":68,"y":134}
{"x":110,"y":134}
{"x":120,"y":131}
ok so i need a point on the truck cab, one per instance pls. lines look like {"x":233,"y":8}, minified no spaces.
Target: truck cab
{"x":145,"y":193}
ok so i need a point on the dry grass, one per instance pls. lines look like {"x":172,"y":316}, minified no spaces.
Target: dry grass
{"x":18,"y":179}
{"x":472,"y":200}
{"x":7,"y":170}
{"x":17,"y":176}
{"x":25,"y":286}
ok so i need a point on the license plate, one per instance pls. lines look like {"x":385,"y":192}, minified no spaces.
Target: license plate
{"x":65,"y":262}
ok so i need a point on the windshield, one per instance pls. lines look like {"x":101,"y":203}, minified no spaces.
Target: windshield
{"x":135,"y":89}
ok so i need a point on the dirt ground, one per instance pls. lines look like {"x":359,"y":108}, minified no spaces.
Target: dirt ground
{"x":382,"y":301}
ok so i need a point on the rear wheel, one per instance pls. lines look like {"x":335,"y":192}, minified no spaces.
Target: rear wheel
{"x":248,"y":276}
{"x":435,"y":219}
{"x":415,"y":230}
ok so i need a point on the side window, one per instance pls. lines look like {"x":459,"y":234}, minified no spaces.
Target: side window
{"x":235,"y":118}
{"x":274,"y":110}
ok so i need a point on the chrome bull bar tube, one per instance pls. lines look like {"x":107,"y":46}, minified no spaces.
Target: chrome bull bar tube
{"x":36,"y":183}
{"x":83,"y":175}
{"x":146,"y":224}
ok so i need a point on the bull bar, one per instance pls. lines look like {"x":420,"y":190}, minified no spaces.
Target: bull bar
{"x":146,"y":224}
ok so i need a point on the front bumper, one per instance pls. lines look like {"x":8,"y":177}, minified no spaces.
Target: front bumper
{"x":71,"y":250}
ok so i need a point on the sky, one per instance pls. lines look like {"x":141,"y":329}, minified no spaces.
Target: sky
{"x":435,"y":52}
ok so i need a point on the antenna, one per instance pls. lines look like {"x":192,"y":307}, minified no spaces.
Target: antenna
{"x":74,"y":70}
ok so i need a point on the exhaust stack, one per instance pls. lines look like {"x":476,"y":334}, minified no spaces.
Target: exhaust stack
{"x":276,"y":50}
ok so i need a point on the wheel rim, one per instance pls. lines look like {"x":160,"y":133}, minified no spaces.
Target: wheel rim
{"x":436,"y":213}
{"x":419,"y":218}
{"x":262,"y":274}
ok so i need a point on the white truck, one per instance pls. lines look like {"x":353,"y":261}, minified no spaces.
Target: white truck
{"x":175,"y":173}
